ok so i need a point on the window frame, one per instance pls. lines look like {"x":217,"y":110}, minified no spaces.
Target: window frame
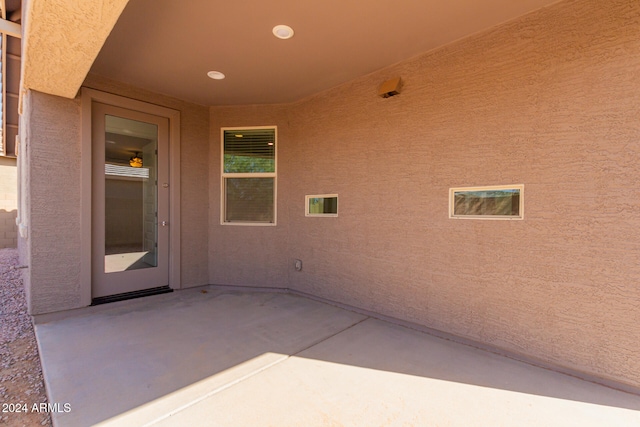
{"x":320,"y":196}
{"x":224,"y":175}
{"x":519,"y":187}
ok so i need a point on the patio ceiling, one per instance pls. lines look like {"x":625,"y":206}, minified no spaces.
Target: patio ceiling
{"x":168,"y":47}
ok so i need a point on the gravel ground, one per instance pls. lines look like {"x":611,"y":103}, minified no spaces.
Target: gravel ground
{"x":21,"y":384}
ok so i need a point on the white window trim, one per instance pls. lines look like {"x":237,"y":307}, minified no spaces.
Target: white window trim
{"x":319,"y":196}
{"x":223,"y":175}
{"x":520,"y":217}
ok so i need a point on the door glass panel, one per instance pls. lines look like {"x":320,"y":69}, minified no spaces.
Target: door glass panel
{"x":131,"y":194}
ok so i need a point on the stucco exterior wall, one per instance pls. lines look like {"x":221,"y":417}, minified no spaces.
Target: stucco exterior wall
{"x":50,"y":68}
{"x":550,"y":101}
{"x":8,"y":202}
{"x":246,"y":255}
{"x":52,"y":210}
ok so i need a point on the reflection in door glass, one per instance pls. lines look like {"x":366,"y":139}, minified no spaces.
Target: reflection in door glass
{"x":131,"y":194}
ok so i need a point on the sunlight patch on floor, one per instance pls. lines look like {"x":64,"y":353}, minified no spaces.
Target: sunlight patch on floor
{"x":122,"y":262}
{"x":275,"y":389}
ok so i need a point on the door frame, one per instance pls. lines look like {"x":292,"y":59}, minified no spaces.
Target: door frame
{"x":109,"y":284}
{"x":88,"y":96}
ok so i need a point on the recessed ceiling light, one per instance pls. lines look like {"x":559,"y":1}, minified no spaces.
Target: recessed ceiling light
{"x":283,"y":32}
{"x":216,"y":75}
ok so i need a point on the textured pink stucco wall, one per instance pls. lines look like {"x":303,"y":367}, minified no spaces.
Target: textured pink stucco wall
{"x":552,"y":101}
{"x":52,"y":180}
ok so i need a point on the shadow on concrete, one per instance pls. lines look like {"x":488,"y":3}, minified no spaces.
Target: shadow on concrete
{"x":139,"y":361}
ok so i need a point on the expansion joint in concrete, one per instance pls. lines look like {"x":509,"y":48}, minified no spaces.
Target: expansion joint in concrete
{"x":247,"y":376}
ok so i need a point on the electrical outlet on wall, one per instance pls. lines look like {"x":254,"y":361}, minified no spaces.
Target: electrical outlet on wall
{"x":298,"y":265}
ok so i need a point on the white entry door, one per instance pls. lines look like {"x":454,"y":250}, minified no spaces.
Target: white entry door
{"x":130,"y":201}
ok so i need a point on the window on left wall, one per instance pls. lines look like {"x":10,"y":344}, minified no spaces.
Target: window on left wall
{"x":249,"y":175}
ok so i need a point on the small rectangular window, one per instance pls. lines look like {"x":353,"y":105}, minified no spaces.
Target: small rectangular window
{"x":321,"y":205}
{"x":249,"y":176}
{"x":493,"y":202}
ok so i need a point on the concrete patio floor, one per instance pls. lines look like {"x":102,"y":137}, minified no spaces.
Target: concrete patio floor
{"x":232,"y":358}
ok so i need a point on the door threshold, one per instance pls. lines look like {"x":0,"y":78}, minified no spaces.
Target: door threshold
{"x":131,"y":295}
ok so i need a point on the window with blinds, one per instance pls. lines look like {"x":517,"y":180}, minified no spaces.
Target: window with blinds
{"x":249,"y":176}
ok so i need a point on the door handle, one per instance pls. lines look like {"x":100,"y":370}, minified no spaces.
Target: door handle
{"x":164,"y":223}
